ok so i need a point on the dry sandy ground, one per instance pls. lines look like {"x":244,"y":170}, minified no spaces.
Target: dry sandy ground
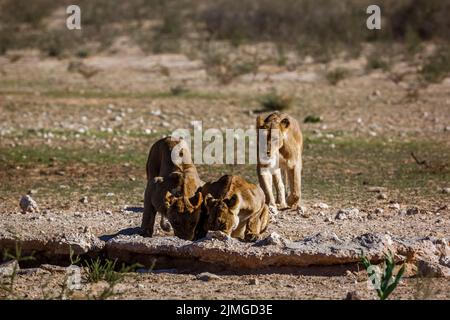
{"x":64,"y":137}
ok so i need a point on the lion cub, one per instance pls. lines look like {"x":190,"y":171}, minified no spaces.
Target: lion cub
{"x":235,"y":207}
{"x":280,"y":154}
{"x":172,"y":188}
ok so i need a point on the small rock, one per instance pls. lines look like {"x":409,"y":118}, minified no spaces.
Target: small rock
{"x":328,"y":219}
{"x":108,"y":212}
{"x":31,"y":192}
{"x":7,"y":268}
{"x":382,"y":196}
{"x":376,"y":189}
{"x":110,"y":194}
{"x":379,"y":211}
{"x":27,"y":204}
{"x":78,"y":215}
{"x":253,"y":281}
{"x":341,"y":216}
{"x":302,"y":212}
{"x":207,"y":276}
{"x":32,"y":271}
{"x":446,"y":190}
{"x":84,"y":200}
{"x":140,"y":286}
{"x":394,"y":205}
{"x":432,"y":269}
{"x":350,"y":213}
{"x":53,"y":268}
{"x":412,"y":211}
{"x":336,"y":238}
{"x":272,"y":239}
{"x":321,"y":205}
{"x":219,"y":235}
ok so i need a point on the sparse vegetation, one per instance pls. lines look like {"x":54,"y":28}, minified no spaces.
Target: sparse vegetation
{"x":7,"y":288}
{"x":437,"y":67}
{"x":336,"y":75}
{"x":312,"y":119}
{"x":98,"y":270}
{"x":385,"y":282}
{"x":273,"y":101}
{"x":376,"y":61}
{"x":178,"y":90}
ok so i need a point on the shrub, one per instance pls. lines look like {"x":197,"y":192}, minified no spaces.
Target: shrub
{"x":312,"y":119}
{"x":375,"y":62}
{"x":275,"y":102}
{"x":437,"y":67}
{"x":336,"y":75}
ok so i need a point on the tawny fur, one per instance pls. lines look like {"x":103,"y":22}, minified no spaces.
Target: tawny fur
{"x":288,"y":151}
{"x":172,"y":189}
{"x":235,"y":207}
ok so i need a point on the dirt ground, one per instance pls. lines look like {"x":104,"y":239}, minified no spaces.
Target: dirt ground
{"x":64,"y":137}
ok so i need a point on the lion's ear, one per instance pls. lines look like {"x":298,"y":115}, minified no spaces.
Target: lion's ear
{"x":209,"y":200}
{"x":232,"y":202}
{"x":168,"y":199}
{"x":259,"y":122}
{"x":196,"y":200}
{"x":285,"y":123}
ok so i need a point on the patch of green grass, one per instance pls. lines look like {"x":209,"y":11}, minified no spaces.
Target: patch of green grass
{"x":354,"y":162}
{"x":312,"y":119}
{"x":384,"y":282}
{"x":98,"y":270}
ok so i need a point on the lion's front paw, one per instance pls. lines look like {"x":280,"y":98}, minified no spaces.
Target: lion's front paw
{"x":165,"y":225}
{"x":282,"y":206}
{"x":144,"y":232}
{"x":250,"y":237}
{"x":293,"y":201}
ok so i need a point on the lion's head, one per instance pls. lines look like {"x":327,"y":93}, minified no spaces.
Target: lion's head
{"x":183,"y":214}
{"x":271,"y":133}
{"x":222,"y":213}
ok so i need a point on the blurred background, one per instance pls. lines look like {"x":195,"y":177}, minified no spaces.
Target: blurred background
{"x":297,"y":29}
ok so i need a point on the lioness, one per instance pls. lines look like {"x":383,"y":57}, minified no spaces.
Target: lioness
{"x":282,"y":154}
{"x":235,"y":207}
{"x":172,"y":188}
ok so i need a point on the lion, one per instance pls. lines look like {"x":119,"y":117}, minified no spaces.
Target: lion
{"x":236,"y":207}
{"x":280,"y":154}
{"x":172,"y":189}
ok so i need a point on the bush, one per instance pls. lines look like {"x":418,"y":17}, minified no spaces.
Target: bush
{"x":312,"y":119}
{"x":375,"y":62}
{"x":336,"y":75}
{"x":275,"y":102}
{"x":437,"y":67}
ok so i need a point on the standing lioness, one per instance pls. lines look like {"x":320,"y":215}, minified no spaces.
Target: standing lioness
{"x":235,"y":207}
{"x":281,"y":153}
{"x":172,"y":188}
